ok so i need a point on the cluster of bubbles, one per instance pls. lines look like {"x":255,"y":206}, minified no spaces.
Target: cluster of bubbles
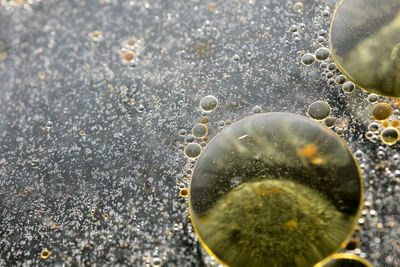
{"x":330,"y":71}
{"x":385,"y":126}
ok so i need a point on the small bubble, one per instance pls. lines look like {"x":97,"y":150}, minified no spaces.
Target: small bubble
{"x":348,"y":87}
{"x":192,"y":150}
{"x":373,"y":127}
{"x":381,"y":111}
{"x":390,"y":136}
{"x":293,"y":28}
{"x":332,"y":66}
{"x":307,"y":59}
{"x":359,"y":154}
{"x":319,"y":110}
{"x":322,"y":53}
{"x":256,"y":109}
{"x":128,"y":56}
{"x":329,"y":122}
{"x":45,"y":254}
{"x":208,"y":103}
{"x":183,"y":192}
{"x":298,"y":7}
{"x":323,"y":65}
{"x":96,"y":36}
{"x":182,"y":132}
{"x":340,"y":79}
{"x":236,"y":58}
{"x":372,"y":98}
{"x":199,"y":130}
{"x":189,"y":138}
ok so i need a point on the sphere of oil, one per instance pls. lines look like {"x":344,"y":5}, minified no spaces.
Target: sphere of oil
{"x":372,"y":98}
{"x":373,"y":127}
{"x":366,"y":45}
{"x":390,"y":136}
{"x":322,"y":53}
{"x":344,"y":260}
{"x":315,"y":201}
{"x":199,"y":130}
{"x":192,"y":150}
{"x":307,"y":59}
{"x":381,"y":111}
{"x":329,"y":122}
{"x":319,"y":110}
{"x":208,"y":103}
{"x":340,"y":79}
{"x":348,"y":87}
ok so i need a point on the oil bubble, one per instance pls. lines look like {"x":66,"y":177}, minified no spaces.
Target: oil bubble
{"x":322,"y":53}
{"x":373,"y":127}
{"x":366,"y":45}
{"x":247,"y":211}
{"x":381,"y":111}
{"x":199,"y":130}
{"x":298,"y":7}
{"x":390,"y":136}
{"x":192,"y":150}
{"x":340,"y":79}
{"x":189,"y":138}
{"x":329,"y":122}
{"x":348,"y":87}
{"x":319,"y":110}
{"x":208,"y":103}
{"x":256,"y":109}
{"x":307,"y":59}
{"x":372,"y":98}
{"x":344,"y":260}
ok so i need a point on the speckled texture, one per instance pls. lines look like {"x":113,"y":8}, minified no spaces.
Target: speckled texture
{"x":83,"y":131}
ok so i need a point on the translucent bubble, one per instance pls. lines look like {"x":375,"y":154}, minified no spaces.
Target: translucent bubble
{"x":182,"y":132}
{"x":373,"y":127}
{"x":381,"y":111}
{"x":298,"y":6}
{"x":329,"y":122}
{"x":332,"y":66}
{"x":340,"y":79}
{"x":322,"y":53}
{"x":208,"y":103}
{"x":344,"y":259}
{"x":372,"y":98}
{"x":390,"y":136}
{"x":256,"y":109}
{"x":247,"y":211}
{"x":189,"y":138}
{"x":319,"y":110}
{"x":236,"y":58}
{"x":199,"y":130}
{"x":192,"y":150}
{"x":294,"y":28}
{"x":348,"y":87}
{"x":307,"y":59}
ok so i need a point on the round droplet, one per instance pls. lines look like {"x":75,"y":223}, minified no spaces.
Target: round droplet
{"x":319,"y":110}
{"x":381,"y":111}
{"x":332,"y":66}
{"x":366,"y":45}
{"x":344,"y":260}
{"x":189,"y":138}
{"x":298,"y":6}
{"x":208,"y":103}
{"x":182,"y":132}
{"x":236,"y":58}
{"x":340,"y":79}
{"x":390,"y":136}
{"x":372,"y":98}
{"x":329,"y":122}
{"x":307,"y":59}
{"x":297,"y":181}
{"x":256,"y":109}
{"x":322,"y":53}
{"x":348,"y":87}
{"x":192,"y":150}
{"x":373,"y":127}
{"x":199,"y":130}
